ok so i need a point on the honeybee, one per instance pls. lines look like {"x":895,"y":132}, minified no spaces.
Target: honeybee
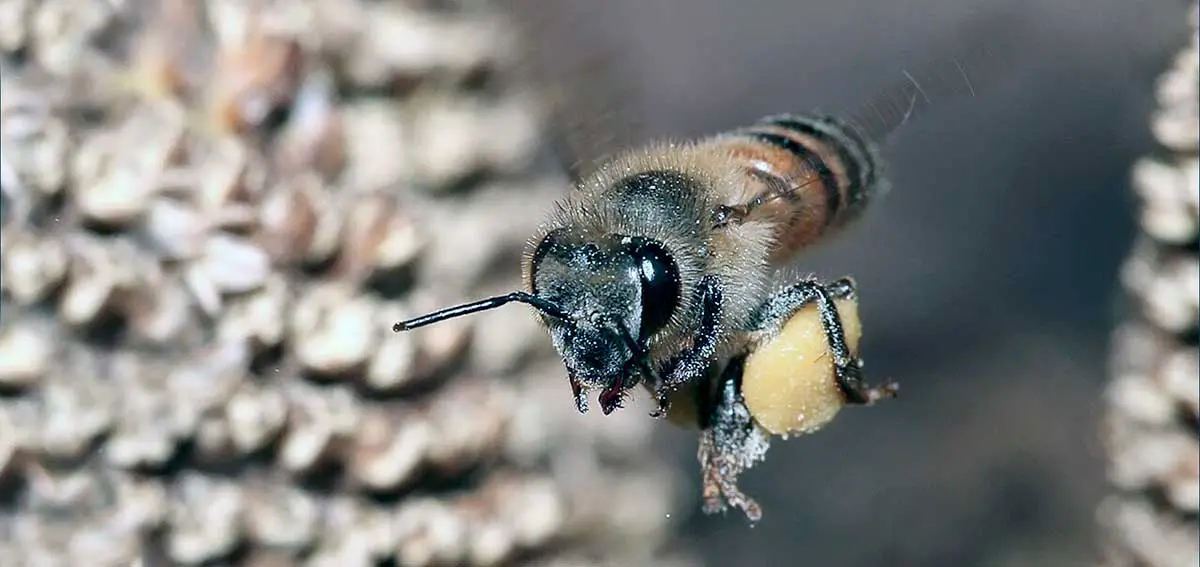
{"x":657,"y":270}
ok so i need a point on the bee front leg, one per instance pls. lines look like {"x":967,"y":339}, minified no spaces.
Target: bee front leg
{"x":691,"y":364}
{"x":847,"y":368}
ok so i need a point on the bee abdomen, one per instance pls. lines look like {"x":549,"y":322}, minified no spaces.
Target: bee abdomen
{"x":827,"y":157}
{"x":856,"y":155}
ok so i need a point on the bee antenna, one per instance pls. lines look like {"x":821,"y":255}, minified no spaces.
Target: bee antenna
{"x":542,"y":305}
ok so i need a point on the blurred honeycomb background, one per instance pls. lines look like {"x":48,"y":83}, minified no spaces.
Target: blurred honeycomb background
{"x":1154,"y":397}
{"x":213,"y":211}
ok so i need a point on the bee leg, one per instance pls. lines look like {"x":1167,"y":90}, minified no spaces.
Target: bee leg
{"x":847,"y":368}
{"x":691,"y":364}
{"x":729,"y":444}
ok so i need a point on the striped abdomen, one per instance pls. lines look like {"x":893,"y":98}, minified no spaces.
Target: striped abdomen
{"x":807,"y":174}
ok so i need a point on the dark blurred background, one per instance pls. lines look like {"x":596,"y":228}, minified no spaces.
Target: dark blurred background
{"x":987,"y":274}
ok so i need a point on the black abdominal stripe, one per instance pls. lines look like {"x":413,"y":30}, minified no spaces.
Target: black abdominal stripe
{"x":855,"y":154}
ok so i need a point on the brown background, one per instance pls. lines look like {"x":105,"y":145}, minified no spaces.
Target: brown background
{"x":987,"y":274}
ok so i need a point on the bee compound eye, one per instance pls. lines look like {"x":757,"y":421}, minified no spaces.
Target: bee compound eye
{"x":660,"y":285}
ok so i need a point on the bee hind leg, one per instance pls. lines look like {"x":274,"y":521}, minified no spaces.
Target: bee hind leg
{"x":847,"y":367}
{"x":692,"y":364}
{"x":730,"y":443}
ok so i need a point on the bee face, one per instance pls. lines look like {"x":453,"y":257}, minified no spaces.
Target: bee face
{"x":616,"y":292}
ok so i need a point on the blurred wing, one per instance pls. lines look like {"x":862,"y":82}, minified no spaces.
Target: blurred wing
{"x":589,"y":96}
{"x":914,"y":92}
{"x":942,"y":82}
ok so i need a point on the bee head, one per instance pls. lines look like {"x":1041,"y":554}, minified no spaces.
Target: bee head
{"x":617,"y":291}
{"x":602,"y":300}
